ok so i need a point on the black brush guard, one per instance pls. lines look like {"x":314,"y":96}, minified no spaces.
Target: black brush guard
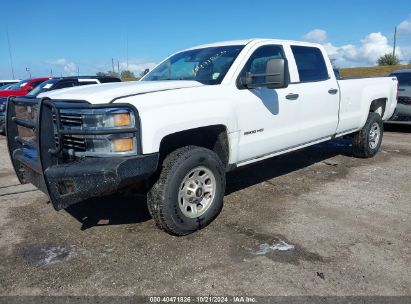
{"x":40,"y":161}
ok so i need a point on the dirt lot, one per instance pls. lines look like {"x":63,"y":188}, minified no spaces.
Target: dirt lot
{"x":349,"y":220}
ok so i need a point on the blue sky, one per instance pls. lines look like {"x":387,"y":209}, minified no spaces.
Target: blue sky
{"x":66,"y":35}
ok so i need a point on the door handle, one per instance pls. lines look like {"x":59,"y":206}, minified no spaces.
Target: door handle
{"x":333,"y":91}
{"x":292,"y":96}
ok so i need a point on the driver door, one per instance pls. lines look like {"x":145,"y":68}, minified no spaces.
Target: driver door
{"x":267,"y":118}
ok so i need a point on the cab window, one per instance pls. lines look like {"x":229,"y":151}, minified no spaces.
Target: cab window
{"x":257,"y":63}
{"x":310,"y":63}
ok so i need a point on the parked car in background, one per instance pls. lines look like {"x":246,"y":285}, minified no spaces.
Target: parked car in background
{"x":17,"y":89}
{"x":7,"y":82}
{"x":6,"y":86}
{"x":402,"y":114}
{"x":23,"y":87}
{"x":69,"y":82}
{"x":56,"y":84}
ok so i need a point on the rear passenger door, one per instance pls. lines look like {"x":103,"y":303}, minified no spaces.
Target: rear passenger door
{"x":316,"y":92}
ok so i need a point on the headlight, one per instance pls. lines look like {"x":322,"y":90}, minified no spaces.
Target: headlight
{"x":116,"y":125}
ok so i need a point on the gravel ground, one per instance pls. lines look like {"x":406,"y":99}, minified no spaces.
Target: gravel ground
{"x":314,"y":222}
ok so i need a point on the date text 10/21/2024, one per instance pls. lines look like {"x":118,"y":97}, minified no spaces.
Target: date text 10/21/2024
{"x":203,"y":299}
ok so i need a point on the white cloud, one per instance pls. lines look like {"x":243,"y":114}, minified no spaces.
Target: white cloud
{"x":69,"y":68}
{"x":137,"y":66}
{"x":365,"y":53}
{"x":405,"y":26}
{"x":316,"y":35}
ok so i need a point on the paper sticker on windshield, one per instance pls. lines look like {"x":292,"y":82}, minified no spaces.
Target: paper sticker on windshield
{"x":215,"y":75}
{"x":48,"y":86}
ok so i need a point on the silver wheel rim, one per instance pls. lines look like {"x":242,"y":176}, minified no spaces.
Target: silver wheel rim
{"x":374,"y":135}
{"x":197,"y":191}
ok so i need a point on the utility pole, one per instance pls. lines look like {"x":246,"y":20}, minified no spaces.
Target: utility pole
{"x":127,"y":50}
{"x":112,"y":64}
{"x":78,"y":71}
{"x":118,"y":67}
{"x":51,"y":73}
{"x":395,"y":42}
{"x":11,"y":57}
{"x":28,"y":71}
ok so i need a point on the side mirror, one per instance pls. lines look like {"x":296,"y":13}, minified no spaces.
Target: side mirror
{"x":275,"y":76}
{"x":29,"y":88}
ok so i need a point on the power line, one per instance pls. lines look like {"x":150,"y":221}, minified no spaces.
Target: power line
{"x":127,"y":49}
{"x":11,"y":57}
{"x":395,"y":42}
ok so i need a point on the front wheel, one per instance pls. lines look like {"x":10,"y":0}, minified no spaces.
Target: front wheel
{"x":189,"y":192}
{"x":367,"y":141}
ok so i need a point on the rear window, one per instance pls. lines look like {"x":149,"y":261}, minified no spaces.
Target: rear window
{"x":43,"y":87}
{"x":107,"y":80}
{"x":19,"y":85}
{"x":310,"y":63}
{"x":81,"y":83}
{"x":403,"y":78}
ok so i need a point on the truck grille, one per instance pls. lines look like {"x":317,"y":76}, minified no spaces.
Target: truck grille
{"x":71,"y":120}
{"x":26,"y":114}
{"x":75,"y":142}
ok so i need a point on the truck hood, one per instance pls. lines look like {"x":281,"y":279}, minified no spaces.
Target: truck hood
{"x":105,"y":93}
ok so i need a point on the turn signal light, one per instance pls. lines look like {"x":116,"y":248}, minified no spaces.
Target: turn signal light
{"x":122,"y":120}
{"x":122,"y":144}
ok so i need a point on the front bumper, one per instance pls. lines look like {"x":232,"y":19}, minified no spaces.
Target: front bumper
{"x":70,"y":183}
{"x":37,"y":156}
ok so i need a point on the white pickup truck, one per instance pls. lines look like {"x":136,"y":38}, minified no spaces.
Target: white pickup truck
{"x":198,"y":114}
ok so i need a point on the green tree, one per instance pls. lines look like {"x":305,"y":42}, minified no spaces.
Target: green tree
{"x":127,"y":75}
{"x":108,"y":73}
{"x":388,"y":59}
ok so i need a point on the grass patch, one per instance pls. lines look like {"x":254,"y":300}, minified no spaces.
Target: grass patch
{"x":372,"y":71}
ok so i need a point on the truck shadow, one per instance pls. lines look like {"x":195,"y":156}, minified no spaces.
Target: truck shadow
{"x":117,"y":209}
{"x":277,"y":166}
{"x":110,"y":210}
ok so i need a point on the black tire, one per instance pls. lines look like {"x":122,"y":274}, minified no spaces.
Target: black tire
{"x":361,"y":145}
{"x":162,"y":198}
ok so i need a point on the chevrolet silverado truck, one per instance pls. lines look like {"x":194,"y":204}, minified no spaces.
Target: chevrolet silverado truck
{"x":198,"y":114}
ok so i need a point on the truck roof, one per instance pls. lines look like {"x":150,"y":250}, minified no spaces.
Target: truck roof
{"x":247,"y":41}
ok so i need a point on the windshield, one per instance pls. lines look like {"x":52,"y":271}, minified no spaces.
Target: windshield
{"x":18,"y":85}
{"x":403,"y":78}
{"x":206,"y":65}
{"x":43,"y":87}
{"x":5,"y":87}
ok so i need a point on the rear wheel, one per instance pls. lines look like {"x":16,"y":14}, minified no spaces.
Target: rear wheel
{"x":367,"y":141}
{"x":189,"y":192}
